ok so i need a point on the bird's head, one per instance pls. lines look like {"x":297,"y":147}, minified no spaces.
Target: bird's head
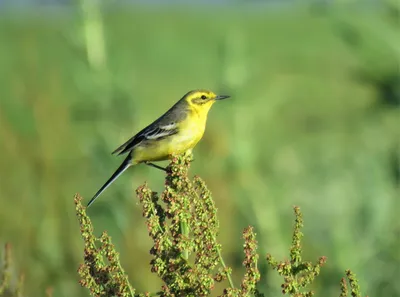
{"x":202,"y":99}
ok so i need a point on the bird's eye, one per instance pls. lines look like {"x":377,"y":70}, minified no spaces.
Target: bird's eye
{"x":203,"y":97}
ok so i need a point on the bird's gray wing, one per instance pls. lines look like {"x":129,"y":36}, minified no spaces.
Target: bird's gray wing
{"x":163,"y":127}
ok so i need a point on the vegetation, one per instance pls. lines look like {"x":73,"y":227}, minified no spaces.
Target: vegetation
{"x":313,"y":122}
{"x":182,"y":221}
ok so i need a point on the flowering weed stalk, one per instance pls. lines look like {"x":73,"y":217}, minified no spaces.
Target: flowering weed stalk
{"x":186,"y":255}
{"x":297,"y":274}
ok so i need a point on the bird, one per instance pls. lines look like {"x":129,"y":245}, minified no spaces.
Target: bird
{"x":176,"y":132}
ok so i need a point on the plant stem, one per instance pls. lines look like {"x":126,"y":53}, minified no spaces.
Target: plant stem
{"x":131,"y":291}
{"x":220,"y":258}
{"x":185,"y":233}
{"x":228,"y":275}
{"x":158,"y":222}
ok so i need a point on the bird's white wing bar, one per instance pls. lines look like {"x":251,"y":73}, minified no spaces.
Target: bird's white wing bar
{"x":161,"y":132}
{"x":170,"y":126}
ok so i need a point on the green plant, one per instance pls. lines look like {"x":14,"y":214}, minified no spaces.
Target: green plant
{"x":354,"y":286}
{"x":297,"y":273}
{"x":183,"y":225}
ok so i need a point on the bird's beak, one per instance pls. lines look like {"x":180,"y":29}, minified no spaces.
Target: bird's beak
{"x":221,"y":97}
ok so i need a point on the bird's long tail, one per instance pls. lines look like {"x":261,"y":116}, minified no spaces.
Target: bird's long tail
{"x":125,"y":165}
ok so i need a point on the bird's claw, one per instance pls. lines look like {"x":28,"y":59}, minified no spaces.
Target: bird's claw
{"x":156,"y":166}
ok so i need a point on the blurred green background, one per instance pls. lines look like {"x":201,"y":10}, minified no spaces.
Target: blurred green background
{"x":314,"y":121}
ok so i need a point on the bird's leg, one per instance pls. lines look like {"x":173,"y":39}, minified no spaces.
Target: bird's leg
{"x":155,"y":166}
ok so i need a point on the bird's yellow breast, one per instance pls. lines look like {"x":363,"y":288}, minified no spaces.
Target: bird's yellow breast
{"x":190,"y":131}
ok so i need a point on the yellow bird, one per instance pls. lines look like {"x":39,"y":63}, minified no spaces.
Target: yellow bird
{"x":177,"y":131}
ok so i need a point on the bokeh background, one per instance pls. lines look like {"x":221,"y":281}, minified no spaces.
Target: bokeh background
{"x":314,"y":121}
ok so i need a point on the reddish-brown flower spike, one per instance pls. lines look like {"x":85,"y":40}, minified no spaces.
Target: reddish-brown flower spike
{"x":101,"y":279}
{"x":343,"y":288}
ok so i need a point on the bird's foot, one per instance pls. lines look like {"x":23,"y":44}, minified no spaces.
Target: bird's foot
{"x":156,"y":166}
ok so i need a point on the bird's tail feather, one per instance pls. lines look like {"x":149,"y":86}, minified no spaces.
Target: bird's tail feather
{"x":125,"y":165}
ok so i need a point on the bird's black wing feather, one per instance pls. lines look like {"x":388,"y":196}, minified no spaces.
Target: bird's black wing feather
{"x":163,"y":127}
{"x":130,"y":144}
